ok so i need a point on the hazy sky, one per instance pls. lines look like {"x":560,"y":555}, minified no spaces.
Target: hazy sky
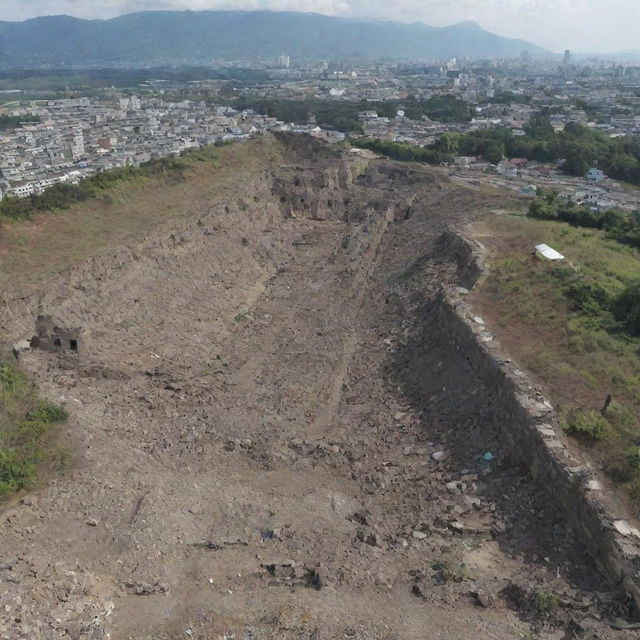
{"x":581,"y":25}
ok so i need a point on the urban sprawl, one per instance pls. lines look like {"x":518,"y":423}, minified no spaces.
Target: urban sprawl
{"x":65,"y":140}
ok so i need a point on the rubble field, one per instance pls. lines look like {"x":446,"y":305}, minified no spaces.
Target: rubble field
{"x":270,"y":439}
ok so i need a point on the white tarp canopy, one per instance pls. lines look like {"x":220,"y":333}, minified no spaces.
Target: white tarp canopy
{"x":545,"y":251}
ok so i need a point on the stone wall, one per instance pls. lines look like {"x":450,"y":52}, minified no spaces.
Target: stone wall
{"x":528,"y":427}
{"x":468,"y":255}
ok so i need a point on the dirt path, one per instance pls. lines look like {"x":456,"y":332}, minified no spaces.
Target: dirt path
{"x":360,"y":288}
{"x":254,"y":441}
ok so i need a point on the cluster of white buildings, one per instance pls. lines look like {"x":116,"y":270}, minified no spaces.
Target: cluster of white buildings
{"x":425,"y":131}
{"x":78,"y":137}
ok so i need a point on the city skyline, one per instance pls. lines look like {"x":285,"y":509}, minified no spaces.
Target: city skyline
{"x":579,"y":25}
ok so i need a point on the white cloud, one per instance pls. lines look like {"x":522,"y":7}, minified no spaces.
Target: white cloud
{"x":586,"y":25}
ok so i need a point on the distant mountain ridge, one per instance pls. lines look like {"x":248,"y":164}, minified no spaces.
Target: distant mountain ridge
{"x":153,"y":37}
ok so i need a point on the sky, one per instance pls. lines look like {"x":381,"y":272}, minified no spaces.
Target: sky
{"x":579,"y":25}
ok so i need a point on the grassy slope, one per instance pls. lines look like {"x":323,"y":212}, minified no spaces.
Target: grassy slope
{"x":49,"y":243}
{"x":25,"y":429}
{"x":570,"y":354}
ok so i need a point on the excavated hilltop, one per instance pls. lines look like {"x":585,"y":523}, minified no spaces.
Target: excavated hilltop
{"x":286,"y":423}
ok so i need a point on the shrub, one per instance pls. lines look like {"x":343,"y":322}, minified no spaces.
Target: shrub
{"x":562,"y":273}
{"x":47,"y":412}
{"x":619,"y":471}
{"x":589,"y":425}
{"x":449,"y":571}
{"x":10,"y":379}
{"x":579,"y":216}
{"x":28,"y":433}
{"x":613,"y":219}
{"x":633,"y":457}
{"x":543,"y":210}
{"x":15,"y":470}
{"x":590,"y":298}
{"x":24,"y":424}
{"x":545,"y":601}
{"x":626,"y":308}
{"x":620,"y":417}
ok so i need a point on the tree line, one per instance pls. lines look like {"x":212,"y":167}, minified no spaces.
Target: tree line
{"x":14,"y":122}
{"x":342,"y":115}
{"x":576,"y":148}
{"x":618,"y":225}
{"x":403,"y":151}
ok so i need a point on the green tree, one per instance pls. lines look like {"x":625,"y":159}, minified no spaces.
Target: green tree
{"x":493,"y":153}
{"x":626,"y":308}
{"x":575,"y":163}
{"x":539,"y":127}
{"x":448,"y":143}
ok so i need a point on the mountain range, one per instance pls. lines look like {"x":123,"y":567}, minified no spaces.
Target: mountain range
{"x":187,"y":37}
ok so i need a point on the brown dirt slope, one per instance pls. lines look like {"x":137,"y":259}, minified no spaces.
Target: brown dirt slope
{"x":254,"y":412}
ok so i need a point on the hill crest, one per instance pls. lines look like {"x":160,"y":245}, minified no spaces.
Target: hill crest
{"x":176,"y":37}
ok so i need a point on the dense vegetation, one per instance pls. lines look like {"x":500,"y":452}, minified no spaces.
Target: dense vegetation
{"x":402,"y":151}
{"x":615,"y":312}
{"x":13,"y":122}
{"x":63,"y":195}
{"x":56,"y":79}
{"x":342,"y":115}
{"x":620,"y":226}
{"x":508,"y":97}
{"x":578,"y":147}
{"x":444,"y":108}
{"x":337,"y":115}
{"x":25,"y":423}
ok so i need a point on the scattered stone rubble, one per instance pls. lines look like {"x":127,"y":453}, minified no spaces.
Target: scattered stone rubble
{"x":326,"y":465}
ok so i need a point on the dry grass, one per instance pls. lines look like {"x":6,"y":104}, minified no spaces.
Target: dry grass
{"x":49,"y":243}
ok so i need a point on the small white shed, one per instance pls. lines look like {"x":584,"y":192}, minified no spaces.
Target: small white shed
{"x":547,"y":253}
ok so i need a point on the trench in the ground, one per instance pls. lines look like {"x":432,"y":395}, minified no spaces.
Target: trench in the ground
{"x":176,"y":460}
{"x":458,"y":412}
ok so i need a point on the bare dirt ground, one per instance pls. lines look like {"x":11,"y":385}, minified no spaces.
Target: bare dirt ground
{"x":255,"y":412}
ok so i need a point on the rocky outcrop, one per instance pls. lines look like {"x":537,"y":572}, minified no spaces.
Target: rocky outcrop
{"x":317,"y":182}
{"x":243,"y":427}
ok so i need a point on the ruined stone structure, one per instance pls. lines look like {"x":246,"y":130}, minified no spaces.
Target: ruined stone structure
{"x":50,"y":337}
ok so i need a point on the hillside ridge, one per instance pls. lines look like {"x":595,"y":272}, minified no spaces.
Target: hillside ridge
{"x":153,"y":37}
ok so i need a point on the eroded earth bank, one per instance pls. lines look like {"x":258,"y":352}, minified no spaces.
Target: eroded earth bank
{"x":256,"y":400}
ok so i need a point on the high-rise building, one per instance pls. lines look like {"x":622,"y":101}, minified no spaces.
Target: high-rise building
{"x":525,"y":56}
{"x":284,"y":62}
{"x":567,"y":56}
